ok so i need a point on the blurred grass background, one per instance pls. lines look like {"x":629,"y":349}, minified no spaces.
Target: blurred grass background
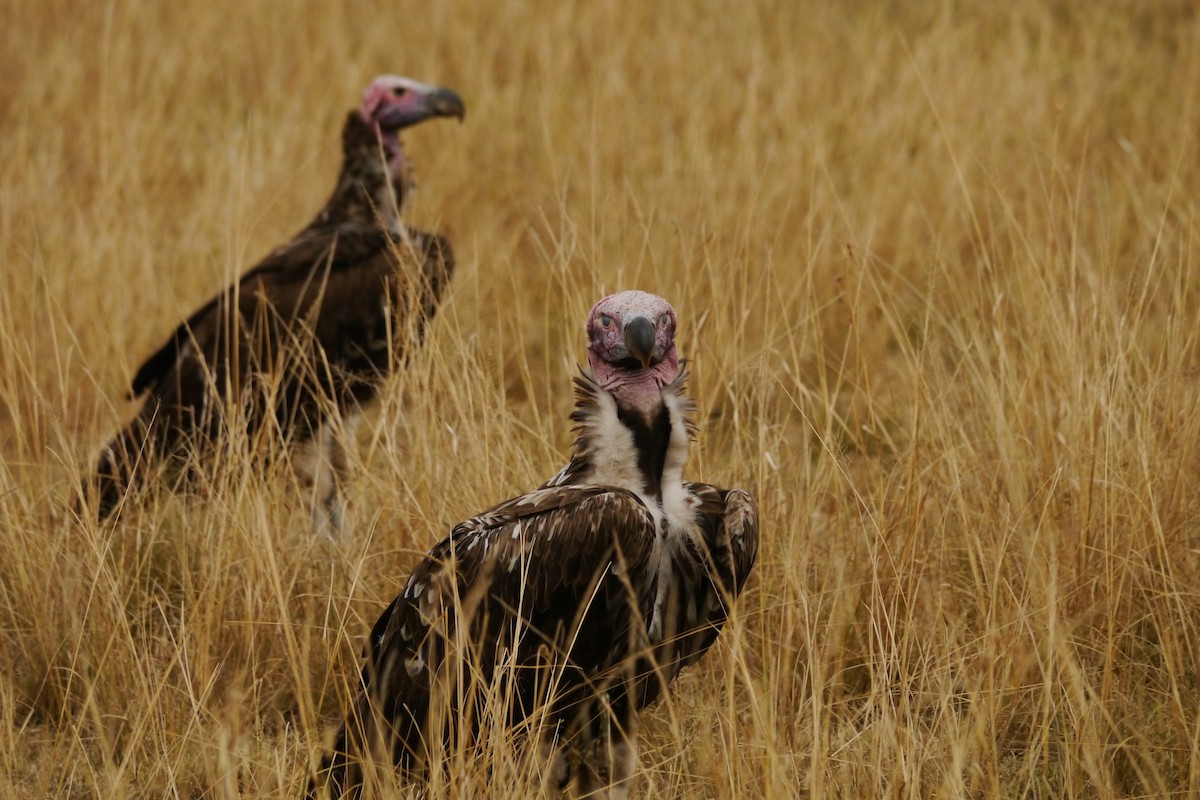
{"x":936,"y":267}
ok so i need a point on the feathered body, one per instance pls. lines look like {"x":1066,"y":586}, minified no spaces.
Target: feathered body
{"x":585,"y":596}
{"x":311,"y":331}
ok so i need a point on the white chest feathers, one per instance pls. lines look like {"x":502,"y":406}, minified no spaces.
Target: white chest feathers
{"x":614,"y":460}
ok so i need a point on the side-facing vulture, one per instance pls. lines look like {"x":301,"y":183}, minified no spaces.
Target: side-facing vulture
{"x":309,"y":332}
{"x":577,"y":603}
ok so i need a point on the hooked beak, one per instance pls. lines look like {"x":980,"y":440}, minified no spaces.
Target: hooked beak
{"x":446,"y":103}
{"x":639,"y":339}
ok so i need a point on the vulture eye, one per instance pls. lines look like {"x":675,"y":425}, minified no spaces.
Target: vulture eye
{"x":664,"y":320}
{"x":606,"y":321}
{"x":399,"y":91}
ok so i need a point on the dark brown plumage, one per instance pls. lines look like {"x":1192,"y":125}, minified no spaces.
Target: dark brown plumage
{"x":307,"y":334}
{"x":582,"y":599}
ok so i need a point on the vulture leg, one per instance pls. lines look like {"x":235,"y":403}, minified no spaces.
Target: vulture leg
{"x":321,"y":467}
{"x":557,"y":770}
{"x":603,"y":752}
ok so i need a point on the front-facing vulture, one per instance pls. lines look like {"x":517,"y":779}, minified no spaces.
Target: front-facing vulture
{"x":560,"y":614}
{"x":306,"y":335}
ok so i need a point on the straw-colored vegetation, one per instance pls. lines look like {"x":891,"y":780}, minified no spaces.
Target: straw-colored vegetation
{"x":937,"y":267}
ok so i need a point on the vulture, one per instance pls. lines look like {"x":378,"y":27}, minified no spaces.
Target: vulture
{"x":307,"y":335}
{"x":573,"y":606}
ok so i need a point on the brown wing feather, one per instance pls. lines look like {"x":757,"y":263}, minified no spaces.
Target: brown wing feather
{"x":342,"y":276}
{"x":707,"y":578}
{"x":729,"y":522}
{"x":546,"y":578}
{"x":320,"y":316}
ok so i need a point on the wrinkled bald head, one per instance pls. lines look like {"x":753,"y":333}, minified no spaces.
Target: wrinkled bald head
{"x":631,"y":346}
{"x":391,"y":103}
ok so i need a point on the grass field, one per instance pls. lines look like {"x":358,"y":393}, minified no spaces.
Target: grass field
{"x":937,"y":267}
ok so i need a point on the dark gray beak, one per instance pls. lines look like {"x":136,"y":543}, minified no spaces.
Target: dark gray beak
{"x":446,"y":103}
{"x":639,"y":339}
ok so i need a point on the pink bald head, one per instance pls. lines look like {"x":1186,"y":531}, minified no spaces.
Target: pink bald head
{"x":391,"y":102}
{"x":631,"y":347}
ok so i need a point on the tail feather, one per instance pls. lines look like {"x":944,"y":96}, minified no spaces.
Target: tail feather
{"x":370,"y":740}
{"x":341,"y":772}
{"x":117,"y":472}
{"x":125,"y":463}
{"x":338,"y":776}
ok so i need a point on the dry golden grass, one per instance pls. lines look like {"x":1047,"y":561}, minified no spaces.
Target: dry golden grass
{"x":938,"y":273}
